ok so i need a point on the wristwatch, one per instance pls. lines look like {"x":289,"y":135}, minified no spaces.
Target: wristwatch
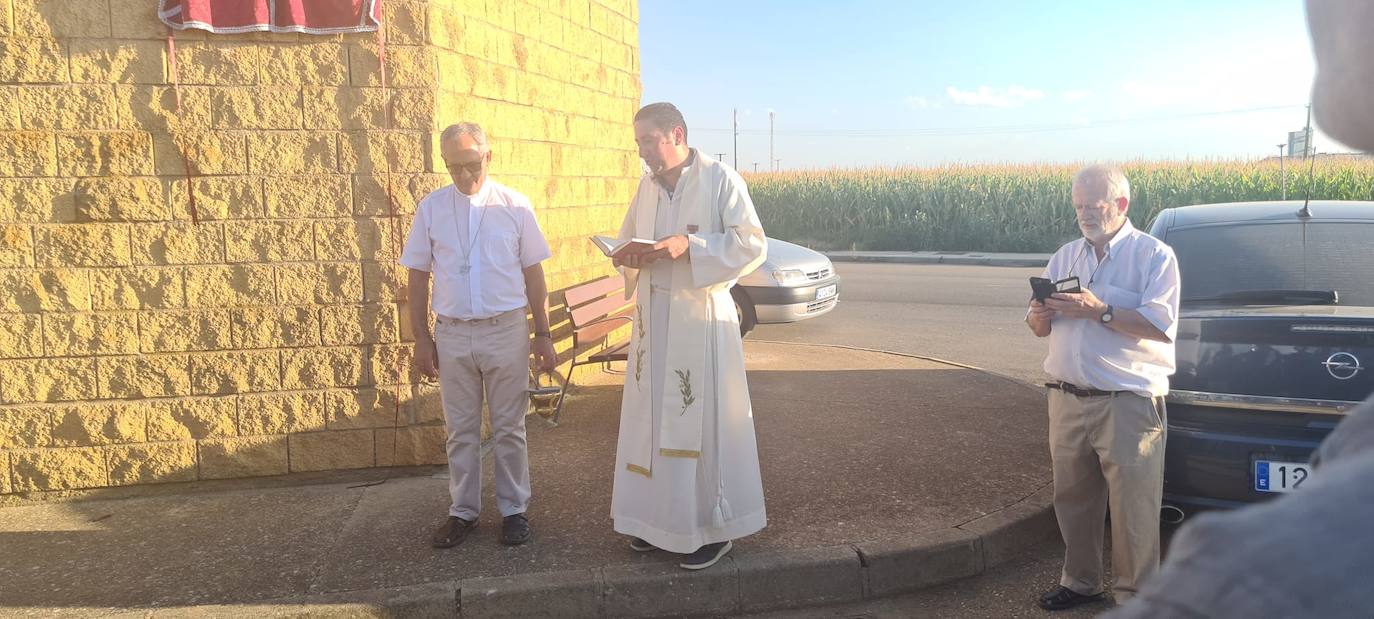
{"x":1106,"y":316}
{"x":543,"y":334}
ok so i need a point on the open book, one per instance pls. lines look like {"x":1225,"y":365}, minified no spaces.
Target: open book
{"x":611,"y":247}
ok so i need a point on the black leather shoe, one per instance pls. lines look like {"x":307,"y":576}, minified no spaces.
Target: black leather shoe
{"x":515,"y":530}
{"x":452,"y":532}
{"x":1061,"y":598}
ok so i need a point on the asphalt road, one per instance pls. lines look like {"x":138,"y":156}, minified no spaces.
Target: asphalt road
{"x":1008,"y":591}
{"x":968,"y":314}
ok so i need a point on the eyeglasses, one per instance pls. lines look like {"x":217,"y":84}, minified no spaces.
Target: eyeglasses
{"x":472,"y":169}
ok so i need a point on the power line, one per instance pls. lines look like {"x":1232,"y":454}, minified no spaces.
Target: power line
{"x":993,"y":129}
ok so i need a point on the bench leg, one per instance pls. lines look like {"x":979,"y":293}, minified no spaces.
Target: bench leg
{"x":567,"y":384}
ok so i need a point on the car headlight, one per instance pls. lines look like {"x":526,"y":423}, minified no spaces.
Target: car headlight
{"x":789,"y":277}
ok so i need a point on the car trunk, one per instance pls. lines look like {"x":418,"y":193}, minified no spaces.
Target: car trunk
{"x":1275,"y":342}
{"x":1253,"y":386}
{"x":1308,"y":352}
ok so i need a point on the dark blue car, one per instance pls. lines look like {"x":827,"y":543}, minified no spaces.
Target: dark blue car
{"x":1275,"y":343}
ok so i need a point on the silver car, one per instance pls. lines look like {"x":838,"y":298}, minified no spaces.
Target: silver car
{"x":794,"y":283}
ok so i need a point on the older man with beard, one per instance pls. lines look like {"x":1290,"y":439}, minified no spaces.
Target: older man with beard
{"x":1111,"y":352}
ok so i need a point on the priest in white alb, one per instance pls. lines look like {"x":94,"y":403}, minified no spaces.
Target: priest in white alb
{"x":687,"y":468}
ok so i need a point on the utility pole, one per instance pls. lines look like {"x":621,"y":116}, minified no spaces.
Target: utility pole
{"x":720,"y":156}
{"x":1282,"y":174}
{"x":1309,"y":148}
{"x":756,"y":167}
{"x":770,"y":134}
{"x":736,"y":117}
{"x":777,"y":165}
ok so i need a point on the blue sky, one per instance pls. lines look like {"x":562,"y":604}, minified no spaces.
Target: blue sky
{"x":970,"y":81}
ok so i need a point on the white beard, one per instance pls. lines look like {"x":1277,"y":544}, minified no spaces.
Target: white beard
{"x":1102,"y":235}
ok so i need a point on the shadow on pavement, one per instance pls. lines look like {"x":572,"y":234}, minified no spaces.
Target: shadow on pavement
{"x":887,"y":447}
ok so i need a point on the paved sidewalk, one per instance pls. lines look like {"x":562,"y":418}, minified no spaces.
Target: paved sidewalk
{"x":883,"y":473}
{"x":943,"y":257}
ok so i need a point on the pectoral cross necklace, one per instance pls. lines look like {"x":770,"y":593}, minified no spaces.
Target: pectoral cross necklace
{"x":466,"y":248}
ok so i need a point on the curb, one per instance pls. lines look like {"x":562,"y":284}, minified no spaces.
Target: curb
{"x":1007,"y":377}
{"x":740,"y":583}
{"x":426,"y":601}
{"x":970,"y":259}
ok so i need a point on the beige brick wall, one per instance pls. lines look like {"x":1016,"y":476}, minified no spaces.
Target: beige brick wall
{"x":264,"y":331}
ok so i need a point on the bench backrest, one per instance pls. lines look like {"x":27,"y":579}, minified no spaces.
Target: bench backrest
{"x":594,"y":301}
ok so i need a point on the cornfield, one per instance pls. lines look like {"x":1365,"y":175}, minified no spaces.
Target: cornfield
{"x":1012,"y":208}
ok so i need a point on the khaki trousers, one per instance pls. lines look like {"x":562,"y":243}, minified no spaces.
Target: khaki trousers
{"x":488,"y":357}
{"x":1107,"y":451}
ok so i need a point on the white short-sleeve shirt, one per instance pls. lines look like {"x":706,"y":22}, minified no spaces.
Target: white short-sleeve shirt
{"x":477,"y":248}
{"x":1139,"y":272}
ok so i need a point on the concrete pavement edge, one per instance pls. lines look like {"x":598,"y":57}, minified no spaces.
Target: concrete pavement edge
{"x":1007,"y":377}
{"x":427,"y":601}
{"x":968,"y":258}
{"x":740,"y":583}
{"x":1012,"y":531}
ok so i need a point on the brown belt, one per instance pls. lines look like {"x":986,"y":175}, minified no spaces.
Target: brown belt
{"x":1079,"y":391}
{"x":497,"y":319}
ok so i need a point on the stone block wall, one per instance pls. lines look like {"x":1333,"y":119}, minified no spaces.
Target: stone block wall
{"x":246,"y":316}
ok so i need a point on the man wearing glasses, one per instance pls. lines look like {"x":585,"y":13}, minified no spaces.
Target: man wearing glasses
{"x":482,"y":244}
{"x":1111,"y":351}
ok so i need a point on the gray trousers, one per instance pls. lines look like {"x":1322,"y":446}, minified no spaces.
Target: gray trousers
{"x":490,"y":358}
{"x":1107,"y":450}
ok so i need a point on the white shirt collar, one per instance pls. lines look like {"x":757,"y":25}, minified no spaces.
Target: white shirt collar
{"x":478,"y":198}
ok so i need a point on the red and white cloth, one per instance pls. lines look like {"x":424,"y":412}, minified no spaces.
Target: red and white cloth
{"x":308,"y":16}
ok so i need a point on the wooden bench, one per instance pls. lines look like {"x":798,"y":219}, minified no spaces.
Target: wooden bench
{"x":596,"y":309}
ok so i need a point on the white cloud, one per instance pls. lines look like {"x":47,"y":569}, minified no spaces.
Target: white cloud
{"x":1011,"y":96}
{"x":1075,"y":95}
{"x":917,"y":103}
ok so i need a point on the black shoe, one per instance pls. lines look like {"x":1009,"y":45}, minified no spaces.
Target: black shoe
{"x":515,"y":530}
{"x":452,"y":532}
{"x":639,"y":545}
{"x":1061,"y":597}
{"x":706,"y":556}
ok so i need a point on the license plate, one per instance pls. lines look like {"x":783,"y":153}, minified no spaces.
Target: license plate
{"x":1273,"y":476}
{"x":825,"y":292}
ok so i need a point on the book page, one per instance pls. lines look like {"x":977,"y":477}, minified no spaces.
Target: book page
{"x":610,"y":247}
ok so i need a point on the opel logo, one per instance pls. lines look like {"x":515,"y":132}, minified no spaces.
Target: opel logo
{"x":1342,"y":366}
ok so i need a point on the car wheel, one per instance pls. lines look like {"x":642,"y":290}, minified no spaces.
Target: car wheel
{"x":745,"y":308}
